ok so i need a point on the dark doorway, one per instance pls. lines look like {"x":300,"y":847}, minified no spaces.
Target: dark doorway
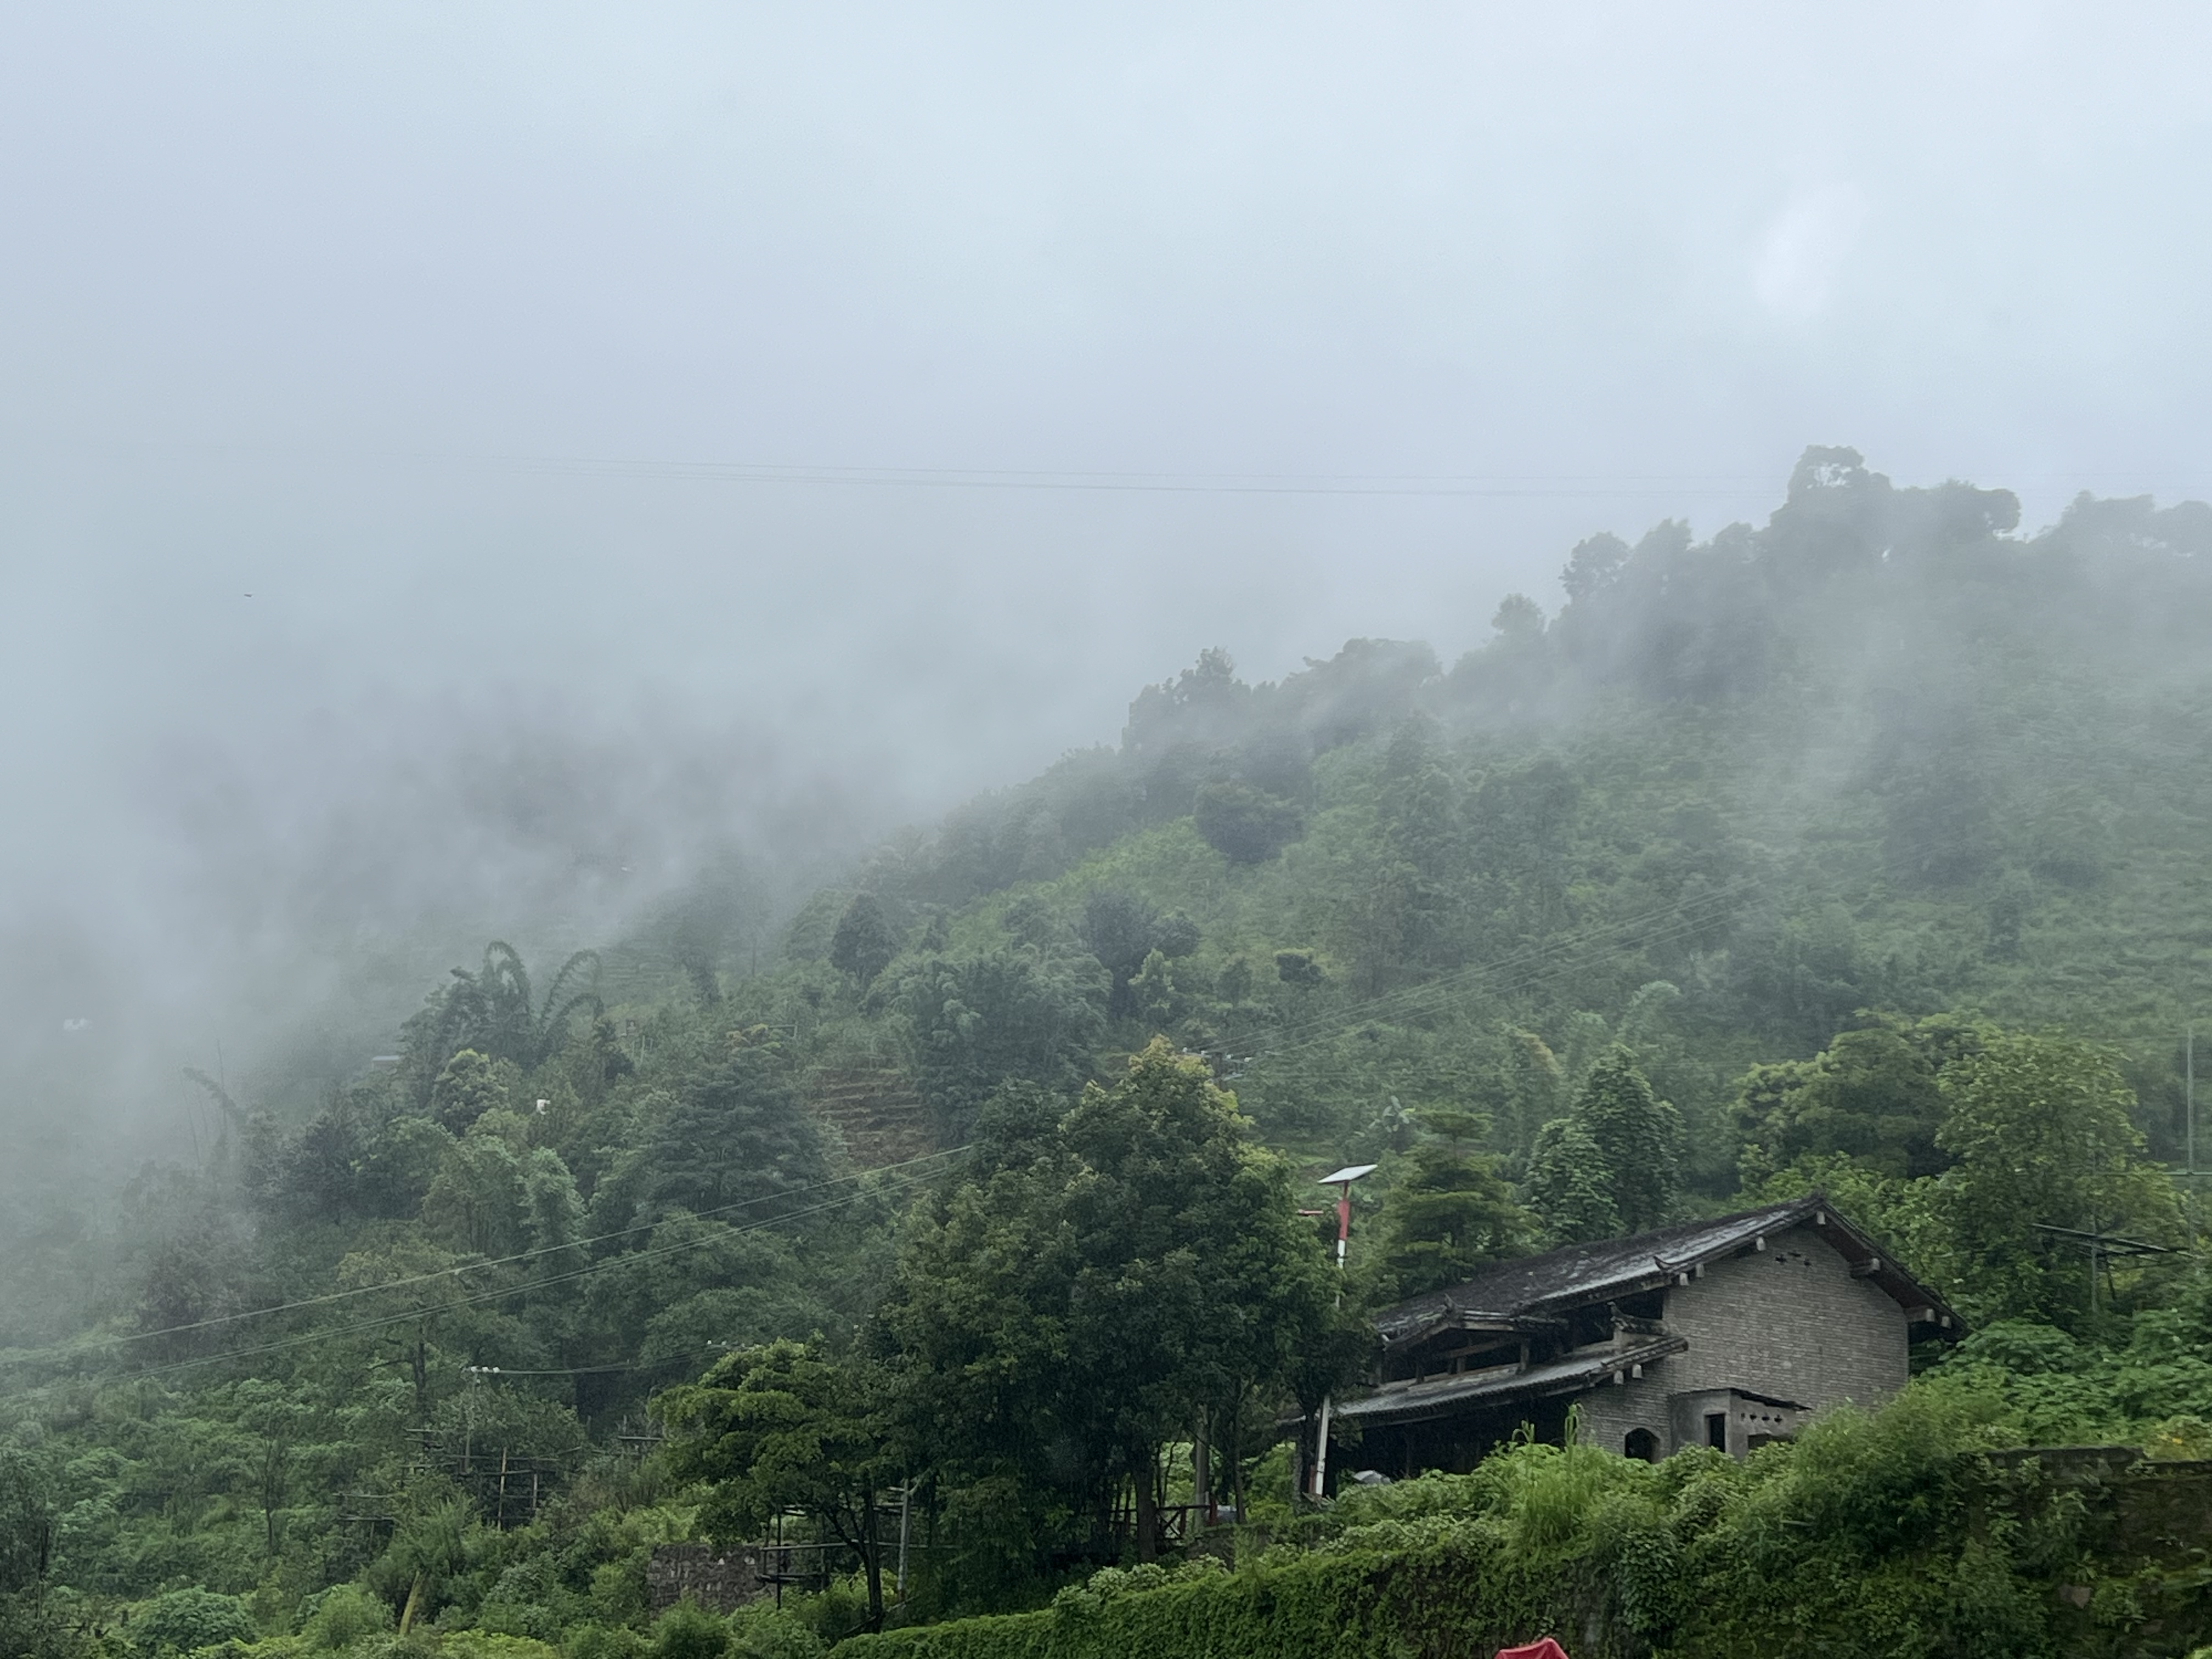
{"x":1641,"y":1444}
{"x":1716,"y":1430}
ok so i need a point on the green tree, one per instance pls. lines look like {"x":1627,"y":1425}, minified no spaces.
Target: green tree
{"x":1569,"y":1184}
{"x":422,"y":1308}
{"x":1063,"y":1315}
{"x":2040,"y":1131}
{"x":278,"y":1418}
{"x":1121,"y":930}
{"x":736,"y":1132}
{"x":1610,"y":1165}
{"x":1449,"y":1214}
{"x":975,"y":1327}
{"x":183,"y":1621}
{"x":434,"y":1544}
{"x":1595,"y":564}
{"x":469,"y":1084}
{"x":688,"y":1631}
{"x":972,"y":1023}
{"x":476,"y":1204}
{"x":26,"y":1523}
{"x":1422,"y":840}
{"x":1872,"y":1095}
{"x":343,"y":1615}
{"x":865,"y":943}
{"x":1638,"y":1135}
{"x":492,"y":1011}
{"x":785,"y":1427}
{"x":1244,"y":825}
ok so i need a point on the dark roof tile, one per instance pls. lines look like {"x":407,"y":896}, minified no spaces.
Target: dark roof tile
{"x":1578,"y":1275}
{"x":1441,"y":1396}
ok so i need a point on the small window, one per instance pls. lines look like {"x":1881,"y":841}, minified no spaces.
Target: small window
{"x":1716,"y":1430}
{"x":1641,"y":1444}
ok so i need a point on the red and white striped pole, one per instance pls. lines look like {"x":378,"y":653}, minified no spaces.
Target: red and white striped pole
{"x":1342,"y":1181}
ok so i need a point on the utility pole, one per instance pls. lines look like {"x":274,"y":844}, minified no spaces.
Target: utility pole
{"x":1342,"y":1181}
{"x":905,"y":1506}
{"x":2102,"y":1247}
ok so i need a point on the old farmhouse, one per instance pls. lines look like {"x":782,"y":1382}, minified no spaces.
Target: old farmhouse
{"x":1726,"y":1332}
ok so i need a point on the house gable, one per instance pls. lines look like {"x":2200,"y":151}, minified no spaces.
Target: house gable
{"x":1770,"y":1335}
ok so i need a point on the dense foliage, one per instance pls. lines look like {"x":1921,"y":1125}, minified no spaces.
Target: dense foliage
{"x":1859,"y":852}
{"x":1881,"y":1534}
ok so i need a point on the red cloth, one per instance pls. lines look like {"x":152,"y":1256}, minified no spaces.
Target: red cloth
{"x":1546,"y":1649}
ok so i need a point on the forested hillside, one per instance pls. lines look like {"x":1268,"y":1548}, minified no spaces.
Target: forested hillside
{"x":1865,"y":850}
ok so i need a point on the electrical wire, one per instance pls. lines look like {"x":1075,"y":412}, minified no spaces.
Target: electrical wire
{"x":1561,"y":485}
{"x":1439,"y":486}
{"x":493,"y":1294}
{"x":328,"y":1297}
{"x":1560,"y":957}
{"x":1079,"y":479}
{"x":446,"y":1274}
{"x":1656,"y":925}
{"x":582,"y":1370}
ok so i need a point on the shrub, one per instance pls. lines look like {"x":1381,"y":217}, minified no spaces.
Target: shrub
{"x":765,"y":1631}
{"x":486,"y":1644}
{"x":186,"y":1619}
{"x":342,"y":1615}
{"x":1243,"y":824}
{"x":688,"y":1631}
{"x":599,"y":1642}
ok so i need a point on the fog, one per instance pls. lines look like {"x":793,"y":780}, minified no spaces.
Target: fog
{"x":463,"y":470}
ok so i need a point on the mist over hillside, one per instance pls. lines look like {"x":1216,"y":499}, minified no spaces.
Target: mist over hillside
{"x":733,"y":738}
{"x":1884,"y":698}
{"x":596,"y":1051}
{"x":463,"y":477}
{"x":269,"y":911}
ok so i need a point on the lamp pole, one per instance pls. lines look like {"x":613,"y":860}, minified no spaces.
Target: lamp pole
{"x":1342,"y":1181}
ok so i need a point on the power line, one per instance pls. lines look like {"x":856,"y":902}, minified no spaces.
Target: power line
{"x":1567,"y":485}
{"x":581,"y":1370}
{"x":72,"y":1350}
{"x":331,"y":1296}
{"x":1157,"y":484}
{"x":493,"y":1294}
{"x":1564,"y":485}
{"x":1079,"y":479}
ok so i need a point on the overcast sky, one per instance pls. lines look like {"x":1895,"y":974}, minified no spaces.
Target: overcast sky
{"x":458,"y":336}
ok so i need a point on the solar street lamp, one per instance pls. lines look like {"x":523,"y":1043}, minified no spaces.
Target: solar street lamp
{"x":1342,"y":1181}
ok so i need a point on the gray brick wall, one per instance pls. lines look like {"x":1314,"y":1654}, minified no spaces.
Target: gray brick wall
{"x":1788,"y":1321}
{"x":1606,"y":1414}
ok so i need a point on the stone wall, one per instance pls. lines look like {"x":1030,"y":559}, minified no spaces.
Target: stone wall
{"x":722,"y":1580}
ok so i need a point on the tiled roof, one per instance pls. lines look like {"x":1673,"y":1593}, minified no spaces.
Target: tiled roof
{"x":1409,"y":1402}
{"x":1578,"y":1275}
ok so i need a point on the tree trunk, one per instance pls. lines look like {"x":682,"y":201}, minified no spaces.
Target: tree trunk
{"x":1236,"y":1455}
{"x":1202,"y":1475}
{"x":871,"y":1557}
{"x":1148,"y":1505}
